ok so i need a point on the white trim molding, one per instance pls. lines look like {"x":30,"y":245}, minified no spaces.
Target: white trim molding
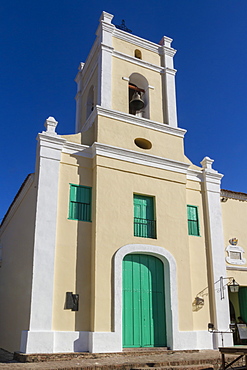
{"x":194,"y":175}
{"x":54,"y":341}
{"x":47,"y":170}
{"x":127,"y":155}
{"x":236,"y":268}
{"x":132,"y":119}
{"x":139,"y":158}
{"x":145,"y":44}
{"x":214,"y":250}
{"x":139,"y":62}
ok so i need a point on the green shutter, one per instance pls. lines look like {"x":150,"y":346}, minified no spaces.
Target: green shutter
{"x":144,"y":223}
{"x":80,"y":203}
{"x":193,"y":221}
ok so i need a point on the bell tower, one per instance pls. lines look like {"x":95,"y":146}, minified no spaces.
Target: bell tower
{"x":125,"y":76}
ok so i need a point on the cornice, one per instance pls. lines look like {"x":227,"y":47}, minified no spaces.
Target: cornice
{"x":212,"y":176}
{"x":126,"y":155}
{"x":194,"y":175}
{"x":139,"y":62}
{"x":75,"y":148}
{"x":108,"y":27}
{"x":139,"y":121}
{"x":164,"y":50}
{"x":136,"y":40}
{"x":106,"y":47}
{"x":55,"y":139}
{"x":242,"y":197}
{"x":106,"y":17}
{"x":139,"y":158}
{"x":170,"y":71}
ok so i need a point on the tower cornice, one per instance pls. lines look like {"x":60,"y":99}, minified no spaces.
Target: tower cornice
{"x":145,"y":44}
{"x":130,"y":118}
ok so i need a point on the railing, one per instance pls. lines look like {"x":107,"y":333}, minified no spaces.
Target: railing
{"x":144,"y":228}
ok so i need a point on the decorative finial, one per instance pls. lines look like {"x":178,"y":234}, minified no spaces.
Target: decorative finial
{"x":123,"y":27}
{"x":50,"y":125}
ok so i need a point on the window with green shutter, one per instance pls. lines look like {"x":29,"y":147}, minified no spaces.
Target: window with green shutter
{"x":144,"y":222}
{"x":80,"y":202}
{"x":193,"y":221}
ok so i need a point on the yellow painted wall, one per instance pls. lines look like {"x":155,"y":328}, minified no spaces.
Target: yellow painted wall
{"x":114,"y":183}
{"x":234,"y":215}
{"x":129,"y":49}
{"x":16,"y":270}
{"x":198,"y":262}
{"x":122,"y":135}
{"x":73,"y":251}
{"x":114,"y":219}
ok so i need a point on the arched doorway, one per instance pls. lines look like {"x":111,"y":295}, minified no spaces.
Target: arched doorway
{"x":144,"y":318}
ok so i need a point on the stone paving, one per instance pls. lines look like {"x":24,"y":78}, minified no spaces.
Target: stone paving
{"x":121,"y":361}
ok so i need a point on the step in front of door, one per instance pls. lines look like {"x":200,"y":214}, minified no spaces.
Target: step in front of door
{"x":180,"y":367}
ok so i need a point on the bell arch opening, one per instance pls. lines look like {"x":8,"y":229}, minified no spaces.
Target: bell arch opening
{"x":90,"y":101}
{"x":138,"y":95}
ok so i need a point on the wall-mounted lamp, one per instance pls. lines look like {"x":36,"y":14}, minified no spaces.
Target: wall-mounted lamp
{"x":234,"y":286}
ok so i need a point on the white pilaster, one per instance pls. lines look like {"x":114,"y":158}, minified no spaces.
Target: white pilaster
{"x":104,"y":32}
{"x":47,"y":170}
{"x":168,"y":82}
{"x":216,"y":255}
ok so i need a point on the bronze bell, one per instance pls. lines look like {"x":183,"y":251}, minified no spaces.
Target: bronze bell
{"x":136,"y":102}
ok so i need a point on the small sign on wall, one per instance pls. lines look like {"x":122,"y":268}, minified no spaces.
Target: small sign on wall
{"x":242,"y":329}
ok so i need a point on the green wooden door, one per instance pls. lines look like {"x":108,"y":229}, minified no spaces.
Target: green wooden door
{"x":242,"y":296}
{"x":143,"y":302}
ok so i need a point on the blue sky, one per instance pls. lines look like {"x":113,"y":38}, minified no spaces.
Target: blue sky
{"x":42,"y":43}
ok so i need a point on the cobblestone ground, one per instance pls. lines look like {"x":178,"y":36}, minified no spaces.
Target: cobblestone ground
{"x":116,"y":361}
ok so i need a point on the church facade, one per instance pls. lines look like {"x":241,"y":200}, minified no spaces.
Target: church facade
{"x":117,"y":240}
